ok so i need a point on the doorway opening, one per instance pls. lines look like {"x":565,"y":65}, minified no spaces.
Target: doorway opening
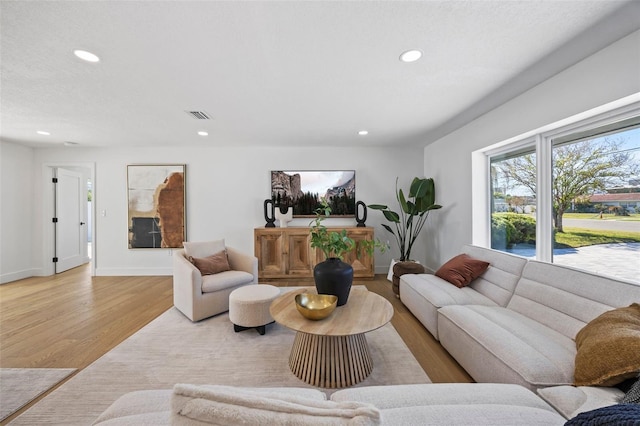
{"x":69,"y":233}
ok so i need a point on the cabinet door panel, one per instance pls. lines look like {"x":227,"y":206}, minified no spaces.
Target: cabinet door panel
{"x":299,"y":256}
{"x":269,"y":250}
{"x":359,"y":259}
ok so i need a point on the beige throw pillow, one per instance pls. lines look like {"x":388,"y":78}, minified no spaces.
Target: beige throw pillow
{"x":213,"y":264}
{"x":608,"y":348}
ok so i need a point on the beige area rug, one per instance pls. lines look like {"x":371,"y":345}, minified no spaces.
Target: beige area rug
{"x":171,"y":349}
{"x":20,"y":386}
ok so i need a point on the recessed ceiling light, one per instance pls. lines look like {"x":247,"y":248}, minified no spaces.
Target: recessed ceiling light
{"x":363,"y":132}
{"x":86,"y":56}
{"x":203,"y":133}
{"x":42,"y":132}
{"x":410,"y":56}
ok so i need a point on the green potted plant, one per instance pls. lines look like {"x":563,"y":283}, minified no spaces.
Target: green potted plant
{"x":414,"y":210}
{"x":333,"y":276}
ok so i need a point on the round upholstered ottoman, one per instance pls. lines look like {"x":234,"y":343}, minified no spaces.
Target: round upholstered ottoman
{"x":401,"y":268}
{"x":249,"y":306}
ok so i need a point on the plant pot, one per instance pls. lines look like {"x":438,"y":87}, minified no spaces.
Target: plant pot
{"x":333,"y":276}
{"x":390,"y":274}
{"x":393,"y":262}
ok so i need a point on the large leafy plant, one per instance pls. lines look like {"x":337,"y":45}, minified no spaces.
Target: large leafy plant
{"x":414,"y":210}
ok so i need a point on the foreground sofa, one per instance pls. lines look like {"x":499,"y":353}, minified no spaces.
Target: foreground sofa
{"x":423,"y":404}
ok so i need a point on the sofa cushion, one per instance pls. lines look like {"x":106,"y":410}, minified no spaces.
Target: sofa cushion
{"x":496,"y":344}
{"x":566,"y":299}
{"x":454,"y":403}
{"x":424,"y":294}
{"x":228,"y":405}
{"x":153,"y":407}
{"x":460,"y":270}
{"x":573,"y":400}
{"x":134,"y":407}
{"x":225,"y":280}
{"x":202,"y":248}
{"x":214,"y":264}
{"x":609,"y":348}
{"x":499,"y":281}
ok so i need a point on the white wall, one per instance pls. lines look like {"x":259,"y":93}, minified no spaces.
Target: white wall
{"x":226,"y":188}
{"x":606,"y":76}
{"x":16,"y":212}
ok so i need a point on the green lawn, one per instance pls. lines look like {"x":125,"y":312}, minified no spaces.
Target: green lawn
{"x":605,"y":216}
{"x":578,"y":237}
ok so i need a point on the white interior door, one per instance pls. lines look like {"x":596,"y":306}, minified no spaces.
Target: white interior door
{"x":71,"y":225}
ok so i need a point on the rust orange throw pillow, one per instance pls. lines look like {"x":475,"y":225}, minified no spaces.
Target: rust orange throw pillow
{"x":212,"y":264}
{"x":462,"y":269}
{"x":608,"y":348}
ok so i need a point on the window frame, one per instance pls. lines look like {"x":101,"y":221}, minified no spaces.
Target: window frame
{"x":542,"y":139}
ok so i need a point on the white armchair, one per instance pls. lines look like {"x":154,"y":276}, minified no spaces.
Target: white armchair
{"x":198,"y":296}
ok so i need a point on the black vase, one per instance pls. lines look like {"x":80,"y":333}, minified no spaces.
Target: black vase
{"x":333,"y":276}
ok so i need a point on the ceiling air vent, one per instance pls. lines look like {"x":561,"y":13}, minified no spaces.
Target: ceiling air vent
{"x":199,"y":115}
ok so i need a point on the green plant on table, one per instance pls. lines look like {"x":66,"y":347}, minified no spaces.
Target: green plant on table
{"x":336,"y":243}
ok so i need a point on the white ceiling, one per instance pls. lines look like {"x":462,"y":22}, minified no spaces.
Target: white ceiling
{"x":281,"y":73}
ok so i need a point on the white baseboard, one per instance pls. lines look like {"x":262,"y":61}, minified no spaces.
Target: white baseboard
{"x":18,"y":275}
{"x":112,"y":272}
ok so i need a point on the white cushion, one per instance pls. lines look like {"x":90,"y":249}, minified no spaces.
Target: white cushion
{"x":501,"y":277}
{"x":495,"y":344}
{"x":454,"y":404}
{"x":138,"y":406}
{"x":153,"y":407}
{"x":566,"y":299}
{"x":571,"y":401}
{"x":203,"y":248}
{"x":225,"y":280}
{"x":424,"y":294}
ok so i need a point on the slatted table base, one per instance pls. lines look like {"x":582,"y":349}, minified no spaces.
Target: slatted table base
{"x":330,"y":361}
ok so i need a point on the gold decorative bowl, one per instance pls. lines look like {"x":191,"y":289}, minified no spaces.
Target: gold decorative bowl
{"x":316,"y":306}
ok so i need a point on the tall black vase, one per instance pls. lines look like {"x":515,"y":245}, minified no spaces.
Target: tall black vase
{"x":333,"y":276}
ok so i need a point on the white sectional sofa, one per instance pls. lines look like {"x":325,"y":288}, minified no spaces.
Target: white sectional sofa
{"x":426,"y":404}
{"x":517,"y":322}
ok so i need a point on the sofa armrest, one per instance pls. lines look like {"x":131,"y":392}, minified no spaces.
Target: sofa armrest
{"x":187,"y":279}
{"x":240,"y":261}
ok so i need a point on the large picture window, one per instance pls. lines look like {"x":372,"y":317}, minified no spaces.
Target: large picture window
{"x":569,"y":195}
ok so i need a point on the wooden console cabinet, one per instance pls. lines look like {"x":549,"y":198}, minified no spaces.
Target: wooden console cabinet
{"x":287,"y":252}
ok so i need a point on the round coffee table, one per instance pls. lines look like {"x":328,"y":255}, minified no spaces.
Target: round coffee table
{"x":333,"y":352}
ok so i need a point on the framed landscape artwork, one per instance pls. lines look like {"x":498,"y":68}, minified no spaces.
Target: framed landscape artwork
{"x":156,"y":205}
{"x":303,"y":191}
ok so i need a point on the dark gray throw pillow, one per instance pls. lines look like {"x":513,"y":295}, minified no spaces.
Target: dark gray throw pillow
{"x":633,"y":394}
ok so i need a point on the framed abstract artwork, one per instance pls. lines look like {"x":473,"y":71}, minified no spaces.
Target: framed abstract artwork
{"x":156,"y":205}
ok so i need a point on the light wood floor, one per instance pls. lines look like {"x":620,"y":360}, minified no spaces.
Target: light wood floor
{"x":71,"y":319}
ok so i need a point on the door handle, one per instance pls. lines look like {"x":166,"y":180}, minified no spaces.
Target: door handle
{"x":81,"y":223}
